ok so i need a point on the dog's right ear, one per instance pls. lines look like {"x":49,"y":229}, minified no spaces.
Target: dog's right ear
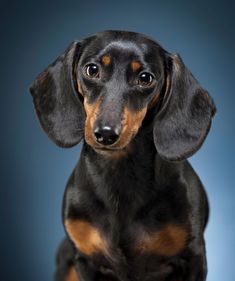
{"x":56,"y":99}
{"x":184,"y":120}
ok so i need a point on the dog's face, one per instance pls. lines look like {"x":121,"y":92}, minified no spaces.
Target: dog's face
{"x":118,"y":78}
{"x":102,"y":88}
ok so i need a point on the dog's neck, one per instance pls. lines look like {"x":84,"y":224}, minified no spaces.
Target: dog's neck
{"x":128,"y":177}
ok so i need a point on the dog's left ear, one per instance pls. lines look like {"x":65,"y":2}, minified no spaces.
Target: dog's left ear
{"x":184,"y":119}
{"x":56,"y":99}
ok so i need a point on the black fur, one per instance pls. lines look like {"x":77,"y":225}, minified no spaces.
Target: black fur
{"x":59,"y":110}
{"x":143,"y":189}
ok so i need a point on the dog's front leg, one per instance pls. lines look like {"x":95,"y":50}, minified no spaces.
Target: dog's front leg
{"x":192,"y":269}
{"x":196,"y":269}
{"x":86,"y":271}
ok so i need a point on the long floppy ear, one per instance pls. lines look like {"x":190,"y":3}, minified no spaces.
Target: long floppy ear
{"x":184,"y":120}
{"x":56,"y":102}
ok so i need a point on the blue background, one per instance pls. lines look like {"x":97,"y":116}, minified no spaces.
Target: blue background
{"x":34,"y":171}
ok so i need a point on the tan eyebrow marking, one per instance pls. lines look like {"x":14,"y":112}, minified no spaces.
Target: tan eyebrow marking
{"x":106,"y":60}
{"x":135,"y":65}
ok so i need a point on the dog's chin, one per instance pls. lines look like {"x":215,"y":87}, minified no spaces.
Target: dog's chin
{"x":112,"y":152}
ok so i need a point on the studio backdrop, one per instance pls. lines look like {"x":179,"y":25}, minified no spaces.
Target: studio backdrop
{"x":34,"y":171}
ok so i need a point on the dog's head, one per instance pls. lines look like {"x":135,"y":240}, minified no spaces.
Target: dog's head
{"x":102,"y":88}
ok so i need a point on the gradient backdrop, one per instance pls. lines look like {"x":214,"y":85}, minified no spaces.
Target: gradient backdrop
{"x":34,"y":171}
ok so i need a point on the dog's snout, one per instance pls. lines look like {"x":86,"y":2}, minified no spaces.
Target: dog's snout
{"x":106,"y":135}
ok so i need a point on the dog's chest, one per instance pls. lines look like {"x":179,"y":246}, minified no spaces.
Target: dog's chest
{"x":129,"y":247}
{"x":134,"y":229}
{"x":128,"y":238}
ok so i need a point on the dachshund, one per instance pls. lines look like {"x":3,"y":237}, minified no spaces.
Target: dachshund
{"x":134,"y":208}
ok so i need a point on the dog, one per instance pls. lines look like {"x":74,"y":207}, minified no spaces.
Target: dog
{"x":133,"y":209}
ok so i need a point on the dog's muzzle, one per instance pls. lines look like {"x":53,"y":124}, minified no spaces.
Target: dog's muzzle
{"x":106,"y":135}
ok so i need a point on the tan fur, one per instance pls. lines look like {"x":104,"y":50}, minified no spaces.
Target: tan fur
{"x":91,"y":114}
{"x":135,"y":65}
{"x":131,"y":123}
{"x":79,"y":89}
{"x":85,"y":236}
{"x":168,"y":241}
{"x":72,"y":275}
{"x":106,"y":60}
{"x":154,"y":101}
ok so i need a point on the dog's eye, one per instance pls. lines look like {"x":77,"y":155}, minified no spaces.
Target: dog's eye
{"x":92,"y":70}
{"x":145,"y":79}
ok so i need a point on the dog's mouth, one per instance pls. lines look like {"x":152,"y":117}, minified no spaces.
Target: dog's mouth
{"x":115,"y":152}
{"x":111,"y":149}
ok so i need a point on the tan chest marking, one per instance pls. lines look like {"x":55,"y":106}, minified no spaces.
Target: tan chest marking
{"x":72,"y":275}
{"x":86,"y":237}
{"x":168,"y":241}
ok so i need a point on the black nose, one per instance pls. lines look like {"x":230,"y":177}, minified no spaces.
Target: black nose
{"x":106,"y":135}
